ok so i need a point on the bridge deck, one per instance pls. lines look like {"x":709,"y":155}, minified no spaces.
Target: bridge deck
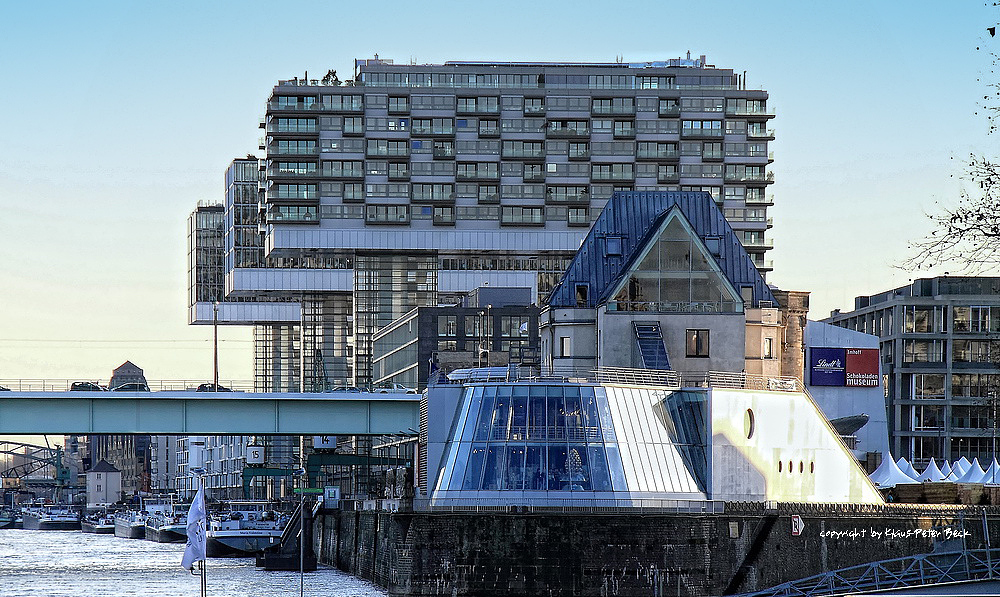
{"x":208,"y":413}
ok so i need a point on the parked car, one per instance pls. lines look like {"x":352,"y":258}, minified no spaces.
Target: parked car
{"x":346,"y":389}
{"x":209,"y":387}
{"x":395,"y":388}
{"x":131,"y":387}
{"x":86,"y":386}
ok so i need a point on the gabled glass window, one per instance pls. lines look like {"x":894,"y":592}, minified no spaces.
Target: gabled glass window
{"x":675,"y":273}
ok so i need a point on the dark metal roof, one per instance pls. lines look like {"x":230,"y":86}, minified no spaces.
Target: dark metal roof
{"x":634,"y":216}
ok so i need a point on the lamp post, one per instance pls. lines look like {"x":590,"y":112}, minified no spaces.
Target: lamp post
{"x":301,"y":474}
{"x":215,"y":346}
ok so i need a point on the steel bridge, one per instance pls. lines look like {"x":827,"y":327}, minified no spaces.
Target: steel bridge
{"x":208,"y":413}
{"x":909,"y":571}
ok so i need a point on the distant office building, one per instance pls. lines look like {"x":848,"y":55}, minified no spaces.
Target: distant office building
{"x":130,"y":454}
{"x":410,"y":185}
{"x":940,"y":363}
{"x":491,"y":327}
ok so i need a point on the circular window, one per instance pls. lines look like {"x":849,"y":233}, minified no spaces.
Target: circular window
{"x":749,"y":423}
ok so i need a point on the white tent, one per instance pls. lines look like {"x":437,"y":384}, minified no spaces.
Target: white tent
{"x":962,"y":464}
{"x":975,"y":474}
{"x":932,"y":472}
{"x":905,"y":466}
{"x":888,"y":474}
{"x":945,"y":469}
{"x":992,"y":476}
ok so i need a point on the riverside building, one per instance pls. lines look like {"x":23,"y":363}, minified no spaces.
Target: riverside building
{"x":411,"y":185}
{"x":940,"y":364}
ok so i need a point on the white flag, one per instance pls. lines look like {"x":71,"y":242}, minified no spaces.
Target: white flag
{"x":196,"y":523}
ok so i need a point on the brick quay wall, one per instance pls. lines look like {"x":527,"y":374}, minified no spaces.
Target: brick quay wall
{"x":636,"y":554}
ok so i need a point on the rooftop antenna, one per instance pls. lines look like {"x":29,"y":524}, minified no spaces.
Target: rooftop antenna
{"x":619,"y":58}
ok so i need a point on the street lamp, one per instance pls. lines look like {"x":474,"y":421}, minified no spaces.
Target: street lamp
{"x":215,"y":343}
{"x":301,"y":474}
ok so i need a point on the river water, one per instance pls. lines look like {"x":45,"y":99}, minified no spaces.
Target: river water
{"x":75,"y":564}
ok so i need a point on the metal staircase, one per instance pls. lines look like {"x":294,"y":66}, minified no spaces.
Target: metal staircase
{"x":650,"y":341}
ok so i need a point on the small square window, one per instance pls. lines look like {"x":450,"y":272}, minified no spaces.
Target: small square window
{"x":564,"y":346}
{"x":613,"y":245}
{"x":697,"y":343}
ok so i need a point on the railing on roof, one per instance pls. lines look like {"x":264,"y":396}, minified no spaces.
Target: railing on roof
{"x":577,"y":505}
{"x":621,"y":375}
{"x":922,"y":569}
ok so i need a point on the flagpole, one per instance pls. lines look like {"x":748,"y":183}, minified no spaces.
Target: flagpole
{"x":204,"y":576}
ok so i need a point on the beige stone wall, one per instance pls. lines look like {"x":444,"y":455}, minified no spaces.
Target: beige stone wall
{"x":794,"y":308}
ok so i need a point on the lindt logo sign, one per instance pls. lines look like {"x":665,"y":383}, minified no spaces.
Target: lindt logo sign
{"x":846,"y":367}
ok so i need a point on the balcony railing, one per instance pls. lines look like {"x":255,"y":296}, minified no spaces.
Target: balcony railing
{"x":612,"y":110}
{"x":670,"y":111}
{"x":760,"y":134}
{"x":534,"y":110}
{"x":693,"y":133}
{"x":745,"y":111}
{"x":668,"y":154}
{"x":432,"y":130}
{"x":568,"y":132}
{"x":444,"y":152}
{"x":612,"y":176}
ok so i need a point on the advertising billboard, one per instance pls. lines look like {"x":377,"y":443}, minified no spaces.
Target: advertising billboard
{"x":844,"y":367}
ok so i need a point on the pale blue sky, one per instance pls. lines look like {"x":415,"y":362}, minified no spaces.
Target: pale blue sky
{"x":120,"y":117}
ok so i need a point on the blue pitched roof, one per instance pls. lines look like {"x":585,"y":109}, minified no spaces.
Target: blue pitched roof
{"x":631,"y":217}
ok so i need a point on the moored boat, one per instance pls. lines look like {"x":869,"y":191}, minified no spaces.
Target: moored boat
{"x":100,"y":523}
{"x":168,"y":525}
{"x":130,"y":524}
{"x":50,"y":517}
{"x":244,"y":528}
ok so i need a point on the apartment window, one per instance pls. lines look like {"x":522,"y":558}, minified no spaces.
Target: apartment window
{"x":768,"y":352}
{"x":697,"y":343}
{"x":99,"y":487}
{"x":447,"y":325}
{"x":399,"y":104}
{"x":564,"y":346}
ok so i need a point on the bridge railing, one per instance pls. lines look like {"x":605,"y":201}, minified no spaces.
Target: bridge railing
{"x":63,"y":385}
{"x":922,"y":569}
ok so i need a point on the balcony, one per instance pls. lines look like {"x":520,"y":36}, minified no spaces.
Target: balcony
{"x":275,"y":172}
{"x":489,"y":131}
{"x":668,"y":111}
{"x":472,"y":176}
{"x":666,"y":154}
{"x":443,"y":152}
{"x":713,"y":155}
{"x":432,"y":131}
{"x":567,"y":132}
{"x":759,"y":243}
{"x":614,"y":176}
{"x":534,"y":177}
{"x":432,"y":197}
{"x":761,"y":134}
{"x":579,"y":154}
{"x":534,"y":110}
{"x":344,"y":174}
{"x":525,"y":154}
{"x":702,"y":133}
{"x":275,"y":128}
{"x":399,"y":175}
{"x":624,"y":134}
{"x":477,"y":110}
{"x":759,"y":200}
{"x":277,"y":150}
{"x":749,"y":112}
{"x":444,"y":219}
{"x":489,"y":197}
{"x":387,"y":152}
{"x":669,"y":177}
{"x":579,"y":197}
{"x":612,"y":110}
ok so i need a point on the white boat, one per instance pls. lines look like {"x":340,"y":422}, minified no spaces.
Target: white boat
{"x":167,"y":525}
{"x":100,"y":523}
{"x":130,"y":524}
{"x":50,"y":517}
{"x":244,"y":528}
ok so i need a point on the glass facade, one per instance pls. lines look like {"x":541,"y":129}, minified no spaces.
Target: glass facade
{"x":575,"y":440}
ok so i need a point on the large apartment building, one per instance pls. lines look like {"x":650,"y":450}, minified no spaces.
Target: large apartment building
{"x":410,"y":185}
{"x":940,"y":364}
